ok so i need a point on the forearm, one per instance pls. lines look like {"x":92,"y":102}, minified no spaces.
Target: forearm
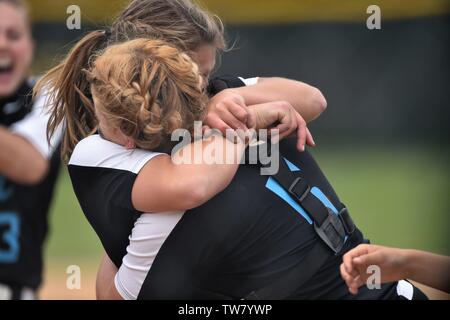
{"x":307,"y":100}
{"x":208,"y":168}
{"x":428,"y":268}
{"x":189,"y":178}
{"x":105,"y":288}
{"x":19,"y":160}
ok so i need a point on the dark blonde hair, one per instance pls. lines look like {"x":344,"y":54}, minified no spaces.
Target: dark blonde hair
{"x":181,"y":23}
{"x":147,"y":89}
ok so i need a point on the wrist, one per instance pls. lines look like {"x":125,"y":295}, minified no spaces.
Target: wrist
{"x":407,"y":266}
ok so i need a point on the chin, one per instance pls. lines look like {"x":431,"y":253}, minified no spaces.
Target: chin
{"x":6,"y":92}
{"x":9,"y":88}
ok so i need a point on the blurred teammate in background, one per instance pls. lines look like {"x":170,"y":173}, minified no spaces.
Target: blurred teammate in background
{"x":28,"y":164}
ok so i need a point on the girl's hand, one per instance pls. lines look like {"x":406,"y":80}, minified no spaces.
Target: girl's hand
{"x":227,"y":110}
{"x":283,"y":120}
{"x":354,"y":268}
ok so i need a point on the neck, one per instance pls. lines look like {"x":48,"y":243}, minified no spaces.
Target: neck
{"x":118,"y":138}
{"x":113,"y":138}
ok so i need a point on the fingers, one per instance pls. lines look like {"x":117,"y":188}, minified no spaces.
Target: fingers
{"x":368,"y":259}
{"x":251,"y":119}
{"x":353,"y":281}
{"x":301,"y":132}
{"x":230,"y":108}
{"x":285,"y":127}
{"x":355,"y":252}
{"x":232,"y":114}
{"x":309,"y":138}
{"x":348,"y":262}
{"x":354,"y":266}
{"x":274,"y":135}
{"x":233,"y":122}
{"x":350,"y":281}
{"x":291,"y":121}
{"x":355,"y":285}
{"x":217,"y":123}
{"x":239,"y":112}
{"x":217,"y":120}
{"x":360,"y":261}
{"x":347,"y":277}
{"x":287,"y":121}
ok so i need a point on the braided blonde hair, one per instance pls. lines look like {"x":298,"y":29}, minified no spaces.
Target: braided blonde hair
{"x":147,"y":89}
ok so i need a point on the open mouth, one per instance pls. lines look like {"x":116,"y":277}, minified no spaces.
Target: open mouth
{"x":6,"y":66}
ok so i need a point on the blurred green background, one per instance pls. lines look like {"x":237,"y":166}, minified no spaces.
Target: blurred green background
{"x":383,"y":142}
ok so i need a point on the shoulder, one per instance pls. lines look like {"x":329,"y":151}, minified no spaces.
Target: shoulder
{"x":94,"y":151}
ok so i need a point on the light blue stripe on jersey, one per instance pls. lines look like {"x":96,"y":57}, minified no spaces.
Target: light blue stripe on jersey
{"x":276,"y":188}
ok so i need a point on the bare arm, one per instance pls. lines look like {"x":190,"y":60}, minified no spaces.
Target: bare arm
{"x":105,"y":288}
{"x":307,"y":100}
{"x":286,"y":119}
{"x":428,"y":268}
{"x":229,"y":108}
{"x":196,"y":173}
{"x":20,"y":161}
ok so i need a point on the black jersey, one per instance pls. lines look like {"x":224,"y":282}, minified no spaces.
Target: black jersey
{"x":24,"y":209}
{"x":249,"y":236}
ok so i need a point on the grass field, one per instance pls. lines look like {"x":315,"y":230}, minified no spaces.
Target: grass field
{"x":397,"y":197}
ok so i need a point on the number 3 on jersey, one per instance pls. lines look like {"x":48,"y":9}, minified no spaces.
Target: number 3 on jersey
{"x":9,"y":237}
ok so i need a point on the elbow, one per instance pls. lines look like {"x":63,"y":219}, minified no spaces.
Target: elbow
{"x":321,"y":102}
{"x":201,"y":190}
{"x":196,"y":196}
{"x":318,"y":102}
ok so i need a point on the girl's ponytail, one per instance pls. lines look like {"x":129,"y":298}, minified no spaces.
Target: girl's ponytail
{"x":68,"y":94}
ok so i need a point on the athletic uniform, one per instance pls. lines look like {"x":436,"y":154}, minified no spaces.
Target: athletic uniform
{"x":24,"y":209}
{"x":243,"y":240}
